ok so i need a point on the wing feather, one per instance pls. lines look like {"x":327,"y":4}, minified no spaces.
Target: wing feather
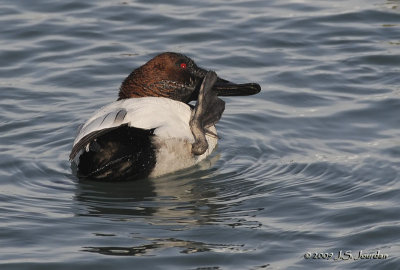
{"x":168,"y":118}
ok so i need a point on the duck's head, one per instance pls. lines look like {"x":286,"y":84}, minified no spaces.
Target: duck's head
{"x":176,"y":76}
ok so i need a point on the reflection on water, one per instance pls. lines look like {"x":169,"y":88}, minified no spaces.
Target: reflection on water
{"x":113,"y":200}
{"x":393,"y":4}
{"x":175,"y":202}
{"x":158,"y":245}
{"x":171,"y":199}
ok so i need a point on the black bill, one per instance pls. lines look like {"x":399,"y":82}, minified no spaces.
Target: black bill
{"x":227,"y":88}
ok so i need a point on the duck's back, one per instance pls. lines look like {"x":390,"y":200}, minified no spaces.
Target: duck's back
{"x":135,"y":138}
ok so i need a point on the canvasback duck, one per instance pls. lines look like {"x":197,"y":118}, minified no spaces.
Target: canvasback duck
{"x":151,"y":129}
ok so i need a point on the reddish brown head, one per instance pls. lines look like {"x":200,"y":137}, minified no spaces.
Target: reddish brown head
{"x":176,"y":76}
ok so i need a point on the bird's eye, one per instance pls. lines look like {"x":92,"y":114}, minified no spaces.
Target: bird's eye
{"x":183,"y":65}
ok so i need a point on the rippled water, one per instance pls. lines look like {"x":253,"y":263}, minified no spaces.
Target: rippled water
{"x":311,"y":164}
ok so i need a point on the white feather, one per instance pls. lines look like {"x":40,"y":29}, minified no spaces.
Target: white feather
{"x":170,"y":118}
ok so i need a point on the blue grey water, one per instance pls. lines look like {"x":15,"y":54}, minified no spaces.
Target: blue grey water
{"x":309,"y":165}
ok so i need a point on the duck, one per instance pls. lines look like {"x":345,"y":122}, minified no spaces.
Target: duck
{"x":152,"y":129}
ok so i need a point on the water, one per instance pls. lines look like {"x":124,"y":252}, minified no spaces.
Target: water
{"x":311,"y":164}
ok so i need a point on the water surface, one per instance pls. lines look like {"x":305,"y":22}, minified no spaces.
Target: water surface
{"x":311,"y":164}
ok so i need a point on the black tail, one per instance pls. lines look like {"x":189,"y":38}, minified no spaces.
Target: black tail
{"x":117,"y":154}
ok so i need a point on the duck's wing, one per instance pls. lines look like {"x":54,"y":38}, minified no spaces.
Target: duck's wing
{"x":85,"y":140}
{"x":165,"y":117}
{"x":207,"y":112}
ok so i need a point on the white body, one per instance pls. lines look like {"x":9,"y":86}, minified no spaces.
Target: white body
{"x":170,"y":119}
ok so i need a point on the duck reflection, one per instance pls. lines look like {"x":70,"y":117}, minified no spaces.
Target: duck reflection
{"x":187,"y":247}
{"x":115,"y":200}
{"x":173,"y":202}
{"x":181,"y":198}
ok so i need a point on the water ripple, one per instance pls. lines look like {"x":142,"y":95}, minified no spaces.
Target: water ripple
{"x":308,"y":165}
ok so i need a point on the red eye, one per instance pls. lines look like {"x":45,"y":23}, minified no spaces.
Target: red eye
{"x":183,"y":65}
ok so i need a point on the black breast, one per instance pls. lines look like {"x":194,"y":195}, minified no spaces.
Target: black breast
{"x":116,"y":154}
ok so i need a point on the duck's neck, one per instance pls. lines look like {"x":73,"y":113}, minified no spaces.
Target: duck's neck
{"x":130,"y":88}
